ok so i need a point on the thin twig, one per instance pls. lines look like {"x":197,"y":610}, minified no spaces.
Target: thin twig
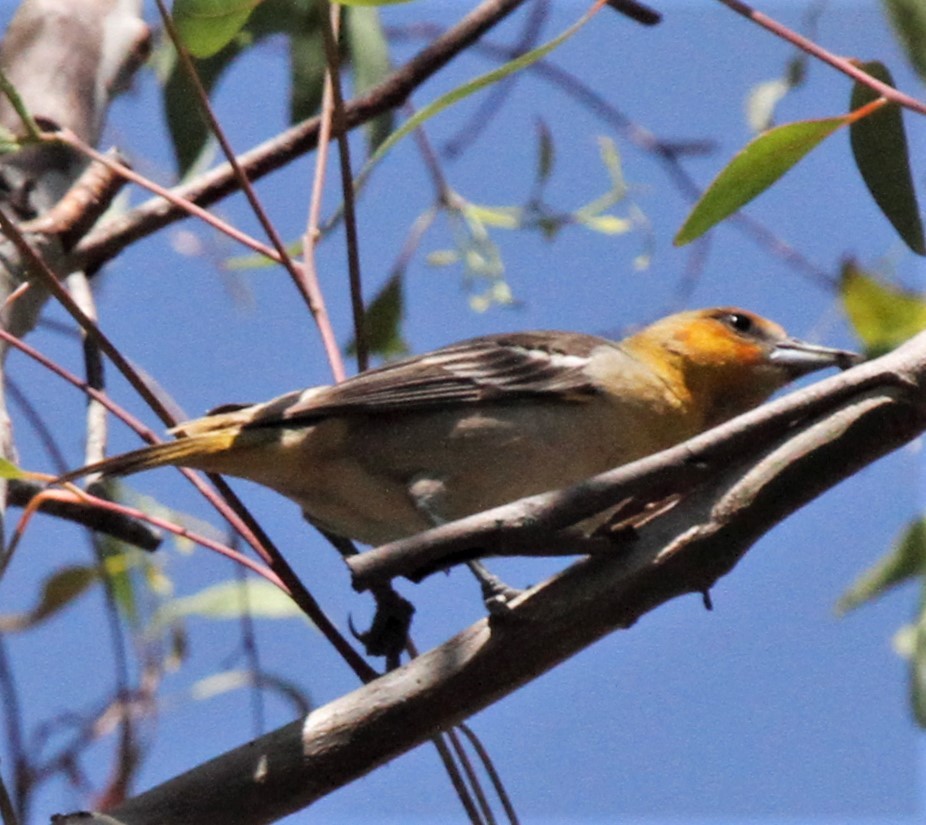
{"x":109,"y":240}
{"x":69,"y":138}
{"x":228,"y":505}
{"x":312,"y":233}
{"x":667,"y":153}
{"x":339,"y":126}
{"x":106,"y":520}
{"x":847,"y":67}
{"x":489,"y":766}
{"x":282,"y":255}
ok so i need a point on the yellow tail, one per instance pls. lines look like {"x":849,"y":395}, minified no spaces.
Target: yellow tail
{"x":184,"y":452}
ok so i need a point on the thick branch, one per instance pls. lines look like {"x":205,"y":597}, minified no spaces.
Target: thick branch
{"x":124,"y":528}
{"x":683,"y":552}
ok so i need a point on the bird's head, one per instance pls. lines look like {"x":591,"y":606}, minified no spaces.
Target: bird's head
{"x":724,"y":361}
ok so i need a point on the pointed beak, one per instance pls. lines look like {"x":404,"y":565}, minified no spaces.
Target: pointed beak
{"x":799,"y":358}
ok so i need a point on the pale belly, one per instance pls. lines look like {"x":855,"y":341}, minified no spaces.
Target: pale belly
{"x":400,"y":474}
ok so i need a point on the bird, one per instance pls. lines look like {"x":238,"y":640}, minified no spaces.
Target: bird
{"x":433,"y":438}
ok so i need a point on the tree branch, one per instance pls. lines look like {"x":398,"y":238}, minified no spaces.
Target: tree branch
{"x":107,"y":241}
{"x":119,"y":526}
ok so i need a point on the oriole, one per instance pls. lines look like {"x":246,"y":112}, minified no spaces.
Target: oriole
{"x":433,"y":438}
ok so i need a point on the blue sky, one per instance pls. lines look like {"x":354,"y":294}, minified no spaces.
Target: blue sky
{"x":768,"y":709}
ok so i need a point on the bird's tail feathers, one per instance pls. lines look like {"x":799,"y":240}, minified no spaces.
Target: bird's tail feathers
{"x":186,"y":452}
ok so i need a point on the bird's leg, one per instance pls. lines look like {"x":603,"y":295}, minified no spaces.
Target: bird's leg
{"x":496,"y":594}
{"x":426,"y":492}
{"x":388,"y":633}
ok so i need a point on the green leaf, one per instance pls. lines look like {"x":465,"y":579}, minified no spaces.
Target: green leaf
{"x":883,"y":315}
{"x":908,"y":17}
{"x":9,"y":470}
{"x":906,"y":560}
{"x":501,"y":217}
{"x":369,"y":57}
{"x":607,"y":224}
{"x":59,"y":590}
{"x":371,"y":2}
{"x":297,"y":20}
{"x":475,"y":85}
{"x":229,"y":600}
{"x":443,"y":257}
{"x":763,"y":161}
{"x":188,"y":128}
{"x":879,"y":145}
{"x":383,"y":321}
{"x":918,"y":667}
{"x":208,"y":26}
{"x":546,"y":152}
{"x":8,"y":141}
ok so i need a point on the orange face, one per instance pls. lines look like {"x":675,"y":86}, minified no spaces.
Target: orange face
{"x":721,"y":338}
{"x":717,"y":361}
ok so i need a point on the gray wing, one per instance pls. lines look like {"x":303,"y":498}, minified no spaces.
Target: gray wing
{"x":494,"y":368}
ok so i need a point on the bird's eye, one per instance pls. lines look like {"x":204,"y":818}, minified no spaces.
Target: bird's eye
{"x":740,"y":322}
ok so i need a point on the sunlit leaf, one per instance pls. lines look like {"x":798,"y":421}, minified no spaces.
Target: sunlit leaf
{"x":9,"y":470}
{"x":764,"y":97}
{"x":762,"y":100}
{"x":218,"y":683}
{"x":229,"y":600}
{"x":500,"y":217}
{"x":763,"y":161}
{"x":297,"y":21}
{"x":879,"y":145}
{"x":443,"y":257}
{"x":8,"y":141}
{"x":481,"y":82}
{"x":607,"y":224}
{"x":229,"y":680}
{"x":207,"y":26}
{"x":882,"y":315}
{"x":906,"y":560}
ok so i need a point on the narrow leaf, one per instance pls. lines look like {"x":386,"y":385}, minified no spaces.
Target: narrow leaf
{"x":383,"y":321}
{"x":473,"y":86}
{"x":189,"y":131}
{"x":307,"y":69}
{"x":879,"y":145}
{"x":546,"y":152}
{"x":9,"y":470}
{"x":229,"y":600}
{"x":883,"y":315}
{"x":371,"y":2}
{"x":208,"y":26}
{"x":908,"y":17}
{"x":369,"y":59}
{"x":918,"y":667}
{"x":906,"y":560}
{"x":59,"y":590}
{"x":764,"y":160}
